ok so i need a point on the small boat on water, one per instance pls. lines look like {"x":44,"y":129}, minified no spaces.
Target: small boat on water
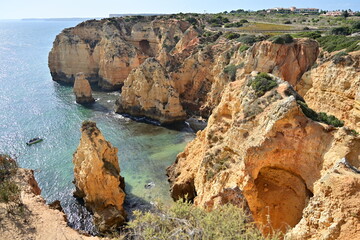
{"x":33,"y":141}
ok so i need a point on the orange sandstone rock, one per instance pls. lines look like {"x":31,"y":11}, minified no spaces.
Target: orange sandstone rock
{"x":266,"y":147}
{"x":97,"y":178}
{"x":82,"y":89}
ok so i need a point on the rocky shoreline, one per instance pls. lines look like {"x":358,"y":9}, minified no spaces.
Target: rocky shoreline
{"x":271,"y":144}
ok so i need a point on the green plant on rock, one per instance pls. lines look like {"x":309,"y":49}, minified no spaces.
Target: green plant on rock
{"x":282,"y":39}
{"x":262,"y":83}
{"x":231,"y":70}
{"x":9,"y":191}
{"x":321,"y":116}
{"x":185,"y":221}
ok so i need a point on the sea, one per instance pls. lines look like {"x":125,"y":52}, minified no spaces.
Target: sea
{"x":33,"y":105}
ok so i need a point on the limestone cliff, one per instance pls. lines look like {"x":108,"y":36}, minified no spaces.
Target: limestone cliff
{"x":107,"y":50}
{"x":97,"y":178}
{"x":265,"y":146}
{"x":82,"y":89}
{"x":287,"y":61}
{"x":29,"y":217}
{"x":148,"y":91}
{"x":333,"y":86}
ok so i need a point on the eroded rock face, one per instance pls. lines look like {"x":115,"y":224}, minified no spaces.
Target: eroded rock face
{"x":107,"y":50}
{"x":333,"y":212}
{"x":29,"y":217}
{"x":97,"y":178}
{"x":266,"y":147}
{"x":82,"y":89}
{"x":334,"y":87}
{"x":287,"y":61}
{"x":148,"y":91}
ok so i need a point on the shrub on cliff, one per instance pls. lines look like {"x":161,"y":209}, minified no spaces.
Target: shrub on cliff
{"x":185,"y":221}
{"x":333,"y":43}
{"x":9,"y":191}
{"x":282,"y":39}
{"x":262,"y":83}
{"x":320,"y":117}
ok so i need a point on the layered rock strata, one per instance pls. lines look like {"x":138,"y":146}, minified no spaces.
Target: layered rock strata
{"x":333,"y":86}
{"x":287,"y":61}
{"x":82,"y":89}
{"x":107,"y":50}
{"x":266,"y":147}
{"x":97,"y":178}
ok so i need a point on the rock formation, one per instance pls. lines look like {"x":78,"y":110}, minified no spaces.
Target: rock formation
{"x":107,"y":50}
{"x":97,"y":178}
{"x":82,"y":90}
{"x":333,"y":86}
{"x":287,"y":61}
{"x":30,"y":218}
{"x":148,"y":91}
{"x":265,"y":146}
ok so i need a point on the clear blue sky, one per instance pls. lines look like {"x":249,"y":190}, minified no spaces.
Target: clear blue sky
{"x":15,"y":9}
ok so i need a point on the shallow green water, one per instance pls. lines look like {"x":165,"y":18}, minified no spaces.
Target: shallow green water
{"x":32,"y":105}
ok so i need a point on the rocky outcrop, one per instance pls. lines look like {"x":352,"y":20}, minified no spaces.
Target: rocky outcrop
{"x":29,"y":217}
{"x":82,"y":90}
{"x":266,"y":147}
{"x":148,"y":91}
{"x":107,"y":50}
{"x":333,"y":212}
{"x":333,"y":86}
{"x":287,"y":61}
{"x":97,"y":178}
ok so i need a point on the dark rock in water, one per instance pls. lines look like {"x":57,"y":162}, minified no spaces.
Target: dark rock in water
{"x":196,"y":124}
{"x":149,"y":185}
{"x":56,"y":205}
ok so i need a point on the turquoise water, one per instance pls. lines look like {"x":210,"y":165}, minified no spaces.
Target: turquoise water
{"x":32,"y":105}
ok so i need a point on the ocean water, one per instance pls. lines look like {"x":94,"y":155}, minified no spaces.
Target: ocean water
{"x":32,"y":105}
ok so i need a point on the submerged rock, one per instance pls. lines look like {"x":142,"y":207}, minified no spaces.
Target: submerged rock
{"x":82,"y":89}
{"x":265,"y":146}
{"x":97,"y":178}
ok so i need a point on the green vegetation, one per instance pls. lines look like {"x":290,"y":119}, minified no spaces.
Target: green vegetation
{"x":232,"y":25}
{"x":282,"y":39}
{"x":341,"y":31}
{"x":265,"y":27}
{"x":321,"y":116}
{"x":333,"y":43}
{"x":243,"y":48}
{"x":9,"y":191}
{"x":185,"y":221}
{"x":218,"y":21}
{"x":339,"y":57}
{"x":191,"y":20}
{"x":231,"y":70}
{"x":262,"y":83}
{"x":232,"y":35}
{"x":313,"y":35}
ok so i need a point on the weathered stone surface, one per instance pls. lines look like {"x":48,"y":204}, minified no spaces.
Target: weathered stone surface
{"x":266,"y":147}
{"x":97,"y":178}
{"x":107,"y":50}
{"x":333,"y":212}
{"x":334,"y":88}
{"x":82,"y":89}
{"x":30,"y":217}
{"x":148,"y":91}
{"x":287,"y":61}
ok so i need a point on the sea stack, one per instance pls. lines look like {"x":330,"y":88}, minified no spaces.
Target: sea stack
{"x":82,"y":89}
{"x":97,"y":178}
